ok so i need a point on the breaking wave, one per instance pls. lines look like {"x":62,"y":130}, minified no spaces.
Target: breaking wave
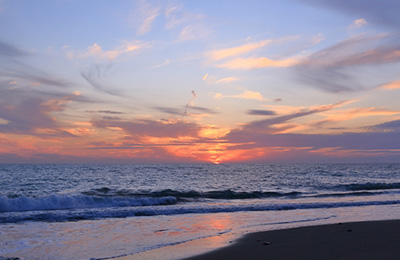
{"x":60,"y":202}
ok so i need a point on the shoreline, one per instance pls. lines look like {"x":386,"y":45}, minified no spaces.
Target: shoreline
{"x":352,"y":241}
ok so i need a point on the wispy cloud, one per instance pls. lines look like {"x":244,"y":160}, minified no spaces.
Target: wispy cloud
{"x":329,"y":68}
{"x":257,"y":112}
{"x":165,"y":63}
{"x":193,"y":31}
{"x":358,"y":23}
{"x":345,"y":146}
{"x":210,"y":79}
{"x":185,"y":111}
{"x":96,"y":51}
{"x":106,"y":112}
{"x":96,"y":76}
{"x":190,"y":25}
{"x":317,"y":38}
{"x":14,"y":68}
{"x":256,"y":63}
{"x":235,"y":51}
{"x":144,"y":16}
{"x":380,"y":12}
{"x":10,"y":50}
{"x":246,"y":94}
{"x":30,"y":112}
{"x":348,"y":114}
{"x":391,"y":85}
{"x":266,"y":124}
{"x":139,"y":129}
{"x":227,"y":80}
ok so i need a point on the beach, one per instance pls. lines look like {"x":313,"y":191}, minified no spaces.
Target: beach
{"x":355,"y":240}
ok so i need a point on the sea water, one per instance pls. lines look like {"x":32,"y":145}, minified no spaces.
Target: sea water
{"x":111,"y":211}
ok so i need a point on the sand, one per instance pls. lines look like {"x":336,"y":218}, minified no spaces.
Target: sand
{"x":347,"y":241}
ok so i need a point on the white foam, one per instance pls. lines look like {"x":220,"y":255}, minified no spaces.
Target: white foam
{"x":58,"y":202}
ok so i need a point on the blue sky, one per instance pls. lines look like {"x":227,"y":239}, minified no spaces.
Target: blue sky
{"x":199,"y":81}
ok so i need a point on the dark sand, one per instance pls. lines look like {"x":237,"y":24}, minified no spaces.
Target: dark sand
{"x":347,"y":241}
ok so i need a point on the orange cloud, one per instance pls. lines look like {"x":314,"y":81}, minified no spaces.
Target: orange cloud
{"x":255,"y":63}
{"x":342,"y":115}
{"x":354,"y":153}
{"x":235,"y":51}
{"x":227,"y":80}
{"x":391,"y":85}
{"x":247,"y":94}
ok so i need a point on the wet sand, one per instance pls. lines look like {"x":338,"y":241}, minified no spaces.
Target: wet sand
{"x":347,"y":241}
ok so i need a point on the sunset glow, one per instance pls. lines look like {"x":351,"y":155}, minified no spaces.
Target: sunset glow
{"x":198,"y":82}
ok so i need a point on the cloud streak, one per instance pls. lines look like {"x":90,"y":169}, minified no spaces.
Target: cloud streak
{"x":246,"y":94}
{"x":261,"y":112}
{"x":329,"y":68}
{"x":139,"y":129}
{"x":236,"y":51}
{"x":96,"y":51}
{"x":257,"y":63}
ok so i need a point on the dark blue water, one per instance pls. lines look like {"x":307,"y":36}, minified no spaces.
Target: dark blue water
{"x":54,"y":193}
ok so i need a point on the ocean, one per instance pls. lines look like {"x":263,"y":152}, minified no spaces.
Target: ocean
{"x":169,"y":211}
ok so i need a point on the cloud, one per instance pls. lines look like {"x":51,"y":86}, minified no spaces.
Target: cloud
{"x":10,"y":50}
{"x":169,"y":110}
{"x":359,"y":50}
{"x":341,"y":115}
{"x":165,"y":63}
{"x":256,"y":63}
{"x":391,"y":126}
{"x":358,"y":23}
{"x":177,"y":16}
{"x":227,"y":80}
{"x":261,"y":112}
{"x":139,"y":129}
{"x":96,"y":77}
{"x":30,"y":113}
{"x":32,"y":75}
{"x":379,"y":145}
{"x":214,"y":80}
{"x":380,"y":141}
{"x":14,"y":69}
{"x":202,"y":110}
{"x":332,"y":70}
{"x":391,"y":85}
{"x":247,"y":94}
{"x":106,"y":112}
{"x":329,"y":69}
{"x":96,"y":51}
{"x":235,"y":51}
{"x":144,"y":16}
{"x":190,"y":25}
{"x":317,"y":38}
{"x":185,"y":111}
{"x":380,"y":12}
{"x":193,"y":31}
{"x":266,"y":124}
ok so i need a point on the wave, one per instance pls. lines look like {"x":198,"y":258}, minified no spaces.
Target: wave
{"x":370,"y":186}
{"x":178,"y":209}
{"x":348,"y":194}
{"x":192,"y":194}
{"x":60,"y":202}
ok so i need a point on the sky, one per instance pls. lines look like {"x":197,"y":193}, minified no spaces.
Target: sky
{"x":251,"y":81}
